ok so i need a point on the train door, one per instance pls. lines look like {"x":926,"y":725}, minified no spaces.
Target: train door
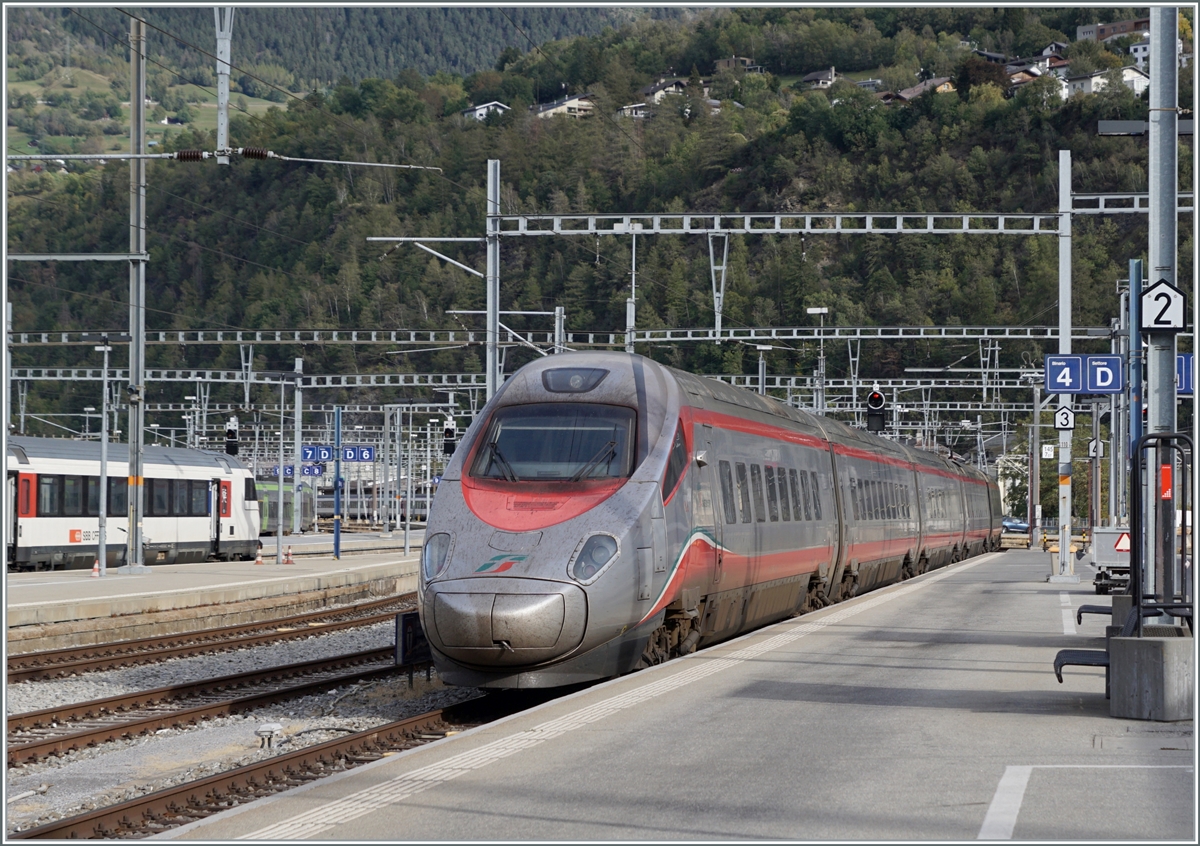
{"x":10,"y":501}
{"x":707,"y":483}
{"x":221,"y":492}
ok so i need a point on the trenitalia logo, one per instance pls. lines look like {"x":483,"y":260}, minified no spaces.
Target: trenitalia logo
{"x":501,"y":563}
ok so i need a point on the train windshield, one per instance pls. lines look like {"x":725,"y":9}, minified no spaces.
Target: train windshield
{"x":563,"y":442}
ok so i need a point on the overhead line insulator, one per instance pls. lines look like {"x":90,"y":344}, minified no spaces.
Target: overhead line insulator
{"x":191,"y":155}
{"x":255,"y":153}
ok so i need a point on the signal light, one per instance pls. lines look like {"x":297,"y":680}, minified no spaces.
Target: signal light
{"x":449,"y":433}
{"x":875,"y":409}
{"x":231,"y":436}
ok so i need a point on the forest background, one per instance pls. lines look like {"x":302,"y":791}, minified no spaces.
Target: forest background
{"x":268,"y":245}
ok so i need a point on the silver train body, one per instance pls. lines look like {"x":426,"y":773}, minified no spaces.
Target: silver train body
{"x":197,"y":505}
{"x":606,"y":512}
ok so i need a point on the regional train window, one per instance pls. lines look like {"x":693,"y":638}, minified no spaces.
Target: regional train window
{"x":744,"y":491}
{"x":160,"y":497}
{"x":25,"y":495}
{"x":816,"y":494}
{"x":49,"y":490}
{"x":760,"y":511}
{"x":93,"y":496}
{"x":181,"y":497}
{"x":785,"y":507}
{"x":726,"y":473}
{"x":118,"y":497}
{"x":199,"y":498}
{"x":250,"y":493}
{"x":804,"y":485}
{"x":561,"y":442}
{"x":772,"y":496}
{"x":72,"y":496}
{"x":676,"y":464}
{"x":795,"y":486}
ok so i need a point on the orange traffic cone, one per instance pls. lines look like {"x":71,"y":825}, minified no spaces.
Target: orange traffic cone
{"x":287,"y":559}
{"x":96,"y":569}
{"x":258,"y":559}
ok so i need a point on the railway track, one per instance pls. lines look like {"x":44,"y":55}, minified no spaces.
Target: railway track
{"x":57,"y":663}
{"x":177,"y":806}
{"x":36,"y":735}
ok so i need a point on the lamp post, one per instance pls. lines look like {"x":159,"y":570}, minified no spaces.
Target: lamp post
{"x":191,"y":422}
{"x":88,"y":410}
{"x":102,"y":504}
{"x":820,"y":398}
{"x":157,"y":437}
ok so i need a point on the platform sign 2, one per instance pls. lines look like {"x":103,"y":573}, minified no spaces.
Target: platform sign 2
{"x":1185,"y":373}
{"x":1064,"y":374}
{"x":1103,"y":374}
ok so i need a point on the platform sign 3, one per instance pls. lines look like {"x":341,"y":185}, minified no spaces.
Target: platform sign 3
{"x":1185,"y":373}
{"x":1064,"y":374}
{"x":1064,"y":419}
{"x":1103,"y":374}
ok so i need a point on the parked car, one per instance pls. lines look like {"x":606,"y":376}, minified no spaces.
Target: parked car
{"x":1012,"y":524}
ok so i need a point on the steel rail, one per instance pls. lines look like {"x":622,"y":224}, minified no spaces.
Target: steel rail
{"x":184,"y":803}
{"x":55,"y":663}
{"x":56,"y":744}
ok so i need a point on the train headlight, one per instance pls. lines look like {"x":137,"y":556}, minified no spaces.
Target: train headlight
{"x":592,"y":557}
{"x":435,"y":555}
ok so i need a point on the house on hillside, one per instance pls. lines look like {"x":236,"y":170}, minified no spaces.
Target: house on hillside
{"x":1136,"y":80}
{"x":1141,"y":53}
{"x":1055,"y":48}
{"x":994,"y":58}
{"x":576,"y":106}
{"x":871,"y":85}
{"x":633,"y":110}
{"x":1106,"y":32}
{"x":655,"y":92}
{"x":939,"y":85}
{"x":742,"y":62}
{"x":821,"y":79}
{"x":482,"y":111}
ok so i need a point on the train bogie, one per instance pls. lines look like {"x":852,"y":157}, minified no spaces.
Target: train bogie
{"x":605,"y":513}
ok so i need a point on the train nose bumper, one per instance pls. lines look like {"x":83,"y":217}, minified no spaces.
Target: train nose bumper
{"x":505,"y":622}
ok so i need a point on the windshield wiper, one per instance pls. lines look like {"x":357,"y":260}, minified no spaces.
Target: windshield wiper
{"x":499,"y":461}
{"x":605,"y":451}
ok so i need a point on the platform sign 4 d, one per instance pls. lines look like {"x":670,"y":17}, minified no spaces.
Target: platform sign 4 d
{"x":1163,"y":308}
{"x":1064,"y":419}
{"x":1064,"y":374}
{"x":1103,"y":374}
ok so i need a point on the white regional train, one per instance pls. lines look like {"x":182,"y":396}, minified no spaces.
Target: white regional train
{"x":198,"y":505}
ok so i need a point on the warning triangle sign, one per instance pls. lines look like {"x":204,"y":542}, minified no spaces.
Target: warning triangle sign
{"x":1122,"y":544}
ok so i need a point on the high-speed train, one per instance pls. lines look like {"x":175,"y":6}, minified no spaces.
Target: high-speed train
{"x":605,"y":513}
{"x":198,"y":505}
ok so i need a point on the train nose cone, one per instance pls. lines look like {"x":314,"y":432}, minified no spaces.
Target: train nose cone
{"x":505,"y":622}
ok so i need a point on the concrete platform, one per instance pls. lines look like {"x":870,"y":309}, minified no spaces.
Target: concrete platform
{"x":353,"y":543}
{"x":68,"y":608}
{"x":928,"y":710}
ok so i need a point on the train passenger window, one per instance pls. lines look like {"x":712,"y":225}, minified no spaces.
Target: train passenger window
{"x":760,"y":511}
{"x":160,"y":498}
{"x":726,"y":473}
{"x":49,"y":489}
{"x":676,"y":464}
{"x":816,"y":495}
{"x":869,"y":498}
{"x":785,"y":507}
{"x":24,"y":496}
{"x":199,"y":495}
{"x":72,"y":496}
{"x":180,"y":498}
{"x":891,"y":489}
{"x":118,"y":497}
{"x":795,"y":485}
{"x":744,"y":491}
{"x":772,"y":496}
{"x":250,"y":493}
{"x":92,"y":504}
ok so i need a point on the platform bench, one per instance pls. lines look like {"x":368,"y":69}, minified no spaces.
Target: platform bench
{"x":1082,"y":658}
{"x":1091,"y":609}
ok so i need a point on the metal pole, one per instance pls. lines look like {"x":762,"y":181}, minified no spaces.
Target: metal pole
{"x":337,"y":482}
{"x":408,"y":499}
{"x":224,"y":36}
{"x":137,"y":291}
{"x":386,"y":457}
{"x":8,"y":328}
{"x":101,"y":539}
{"x":1035,"y":477}
{"x":1160,"y":358}
{"x":559,"y":333}
{"x":762,"y":373}
{"x":631,"y":303}
{"x":493,"y":277}
{"x":282,"y":435}
{"x":299,"y":457}
{"x":1066,"y":564}
{"x":1094,"y":483}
